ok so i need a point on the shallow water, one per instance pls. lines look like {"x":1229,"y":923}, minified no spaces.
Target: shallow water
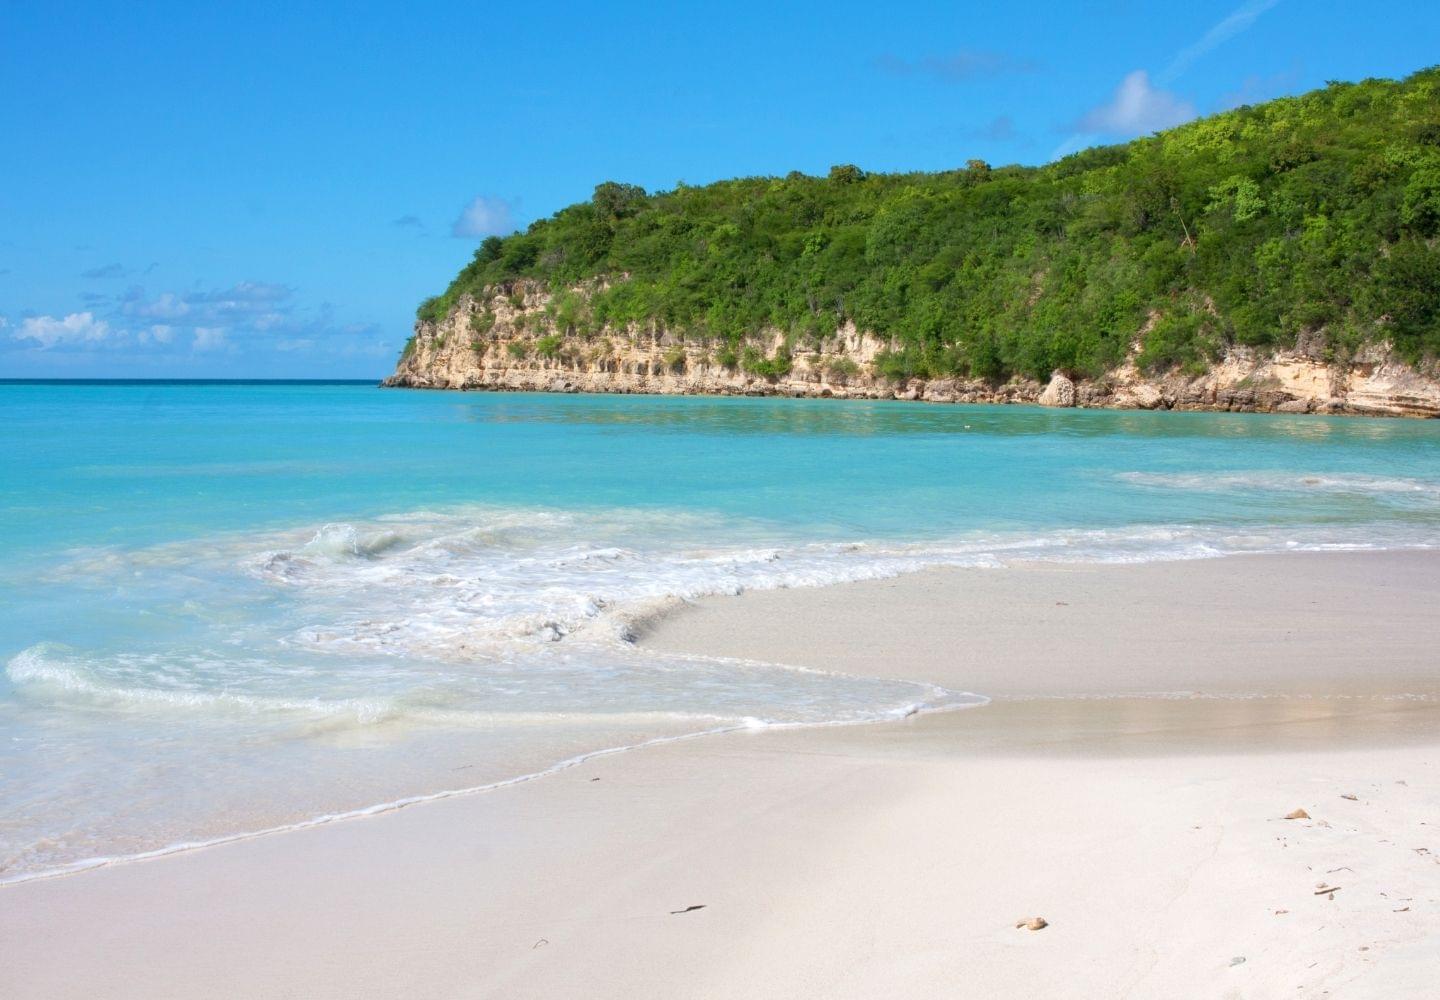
{"x":226,"y":608}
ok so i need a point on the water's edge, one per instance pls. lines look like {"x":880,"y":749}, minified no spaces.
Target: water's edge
{"x":637,"y":626}
{"x":958,"y":700}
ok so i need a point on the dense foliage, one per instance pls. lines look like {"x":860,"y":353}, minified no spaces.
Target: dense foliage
{"x":1315,"y":215}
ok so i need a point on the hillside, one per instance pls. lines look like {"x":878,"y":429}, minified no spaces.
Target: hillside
{"x":1304,"y":227}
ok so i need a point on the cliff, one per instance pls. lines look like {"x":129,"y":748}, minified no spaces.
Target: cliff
{"x":1247,"y":250}
{"x":514,"y":338}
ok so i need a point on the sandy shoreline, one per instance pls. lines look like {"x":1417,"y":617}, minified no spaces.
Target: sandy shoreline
{"x":893,"y":859}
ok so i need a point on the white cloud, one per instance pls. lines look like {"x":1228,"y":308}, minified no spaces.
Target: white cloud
{"x":484,"y":216}
{"x":245,"y":302}
{"x":269,"y":321}
{"x":1138,"y":107}
{"x":160,"y":333}
{"x":247,"y":296}
{"x":209,"y":338}
{"x":1240,"y":19}
{"x":75,"y":328}
{"x":250,"y":320}
{"x":1135,"y":108}
{"x":167,"y":305}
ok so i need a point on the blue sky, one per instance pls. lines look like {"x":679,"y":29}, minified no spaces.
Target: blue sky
{"x":269,"y":189}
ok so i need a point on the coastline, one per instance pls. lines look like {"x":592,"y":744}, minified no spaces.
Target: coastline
{"x":835,"y":861}
{"x":1009,"y":394}
{"x":508,"y":339}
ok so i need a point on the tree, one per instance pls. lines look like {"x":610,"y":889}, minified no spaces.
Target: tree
{"x":616,"y":201}
{"x":490,"y":249}
{"x":1421,"y":208}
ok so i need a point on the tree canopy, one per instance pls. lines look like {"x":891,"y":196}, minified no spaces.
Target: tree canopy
{"x":1254,"y":226}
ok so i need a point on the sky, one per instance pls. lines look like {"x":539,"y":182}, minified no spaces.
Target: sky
{"x":269,"y":189}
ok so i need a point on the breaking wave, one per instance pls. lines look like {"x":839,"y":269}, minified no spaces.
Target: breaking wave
{"x":498,"y":634}
{"x":1339,"y":484}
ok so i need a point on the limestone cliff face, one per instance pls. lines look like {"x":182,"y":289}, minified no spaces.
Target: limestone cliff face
{"x":514,"y":340}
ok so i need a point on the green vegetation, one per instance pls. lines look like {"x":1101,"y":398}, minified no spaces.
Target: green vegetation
{"x":1255,"y":226}
{"x":675,"y":358}
{"x":482,"y":322}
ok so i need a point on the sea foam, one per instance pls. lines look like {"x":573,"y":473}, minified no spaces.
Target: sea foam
{"x":500,"y":635}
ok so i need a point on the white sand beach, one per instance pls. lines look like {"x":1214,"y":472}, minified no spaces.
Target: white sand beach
{"x":1150,"y":728}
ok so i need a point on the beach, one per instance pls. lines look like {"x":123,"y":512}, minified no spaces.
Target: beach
{"x":978,"y":537}
{"x":1149,"y":728}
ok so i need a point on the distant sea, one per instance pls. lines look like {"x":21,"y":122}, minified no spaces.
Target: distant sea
{"x":229,"y":607}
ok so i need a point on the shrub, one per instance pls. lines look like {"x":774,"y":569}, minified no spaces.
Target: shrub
{"x":482,"y":322}
{"x":1182,"y":338}
{"x":752,"y":361}
{"x":1285,"y":216}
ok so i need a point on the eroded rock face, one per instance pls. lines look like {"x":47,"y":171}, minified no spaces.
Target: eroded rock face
{"x":511,"y":341}
{"x":1060,"y":391}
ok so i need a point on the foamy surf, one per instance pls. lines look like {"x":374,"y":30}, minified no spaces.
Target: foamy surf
{"x":30,"y":667}
{"x":484,"y":634}
{"x":1303,"y":483}
{"x":243,"y":608}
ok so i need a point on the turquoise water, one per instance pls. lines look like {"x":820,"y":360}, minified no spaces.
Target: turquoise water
{"x":228,"y":607}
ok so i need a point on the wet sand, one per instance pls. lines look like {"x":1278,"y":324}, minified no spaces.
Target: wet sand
{"x":892,"y":859}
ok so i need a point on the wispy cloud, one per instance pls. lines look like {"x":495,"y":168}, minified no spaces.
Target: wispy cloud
{"x":208,"y":319}
{"x":1256,"y":88}
{"x":408,"y":222}
{"x":160,"y":333}
{"x":247,"y":323}
{"x":484,"y":216}
{"x":209,"y":338}
{"x":965,"y":64}
{"x":1239,"y":20}
{"x":115,"y":270}
{"x":1139,"y":106}
{"x":244,"y":299}
{"x":166,"y":305}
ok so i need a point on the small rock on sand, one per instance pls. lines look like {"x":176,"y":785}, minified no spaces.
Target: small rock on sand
{"x":1297,"y":814}
{"x":1033,"y":924}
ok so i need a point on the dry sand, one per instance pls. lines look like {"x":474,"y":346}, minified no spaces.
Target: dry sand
{"x":890,"y":860}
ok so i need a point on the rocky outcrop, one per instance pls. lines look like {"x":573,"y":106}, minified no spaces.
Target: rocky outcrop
{"x":521,"y":339}
{"x":1060,"y":391}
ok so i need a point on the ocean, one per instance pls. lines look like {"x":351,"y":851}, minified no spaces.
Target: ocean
{"x":227,"y":608}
